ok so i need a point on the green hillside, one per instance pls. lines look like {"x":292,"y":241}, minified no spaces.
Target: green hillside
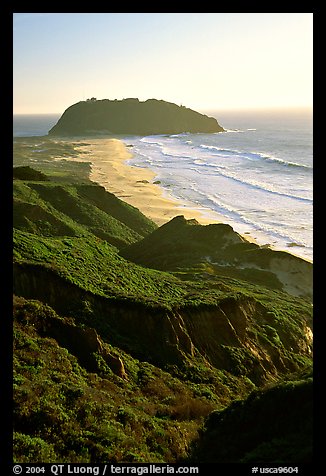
{"x":56,"y":209}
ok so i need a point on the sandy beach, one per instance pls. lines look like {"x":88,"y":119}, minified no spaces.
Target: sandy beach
{"x":134,"y":185}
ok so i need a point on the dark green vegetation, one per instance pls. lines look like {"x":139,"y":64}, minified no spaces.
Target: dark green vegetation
{"x":262,"y":438}
{"x":27,"y":173}
{"x":116,"y":361}
{"x":131,"y":116}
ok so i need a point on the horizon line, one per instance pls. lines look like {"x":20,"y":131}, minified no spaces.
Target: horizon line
{"x":207,"y":109}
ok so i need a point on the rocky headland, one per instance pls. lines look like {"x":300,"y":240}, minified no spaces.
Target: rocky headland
{"x":131,"y":116}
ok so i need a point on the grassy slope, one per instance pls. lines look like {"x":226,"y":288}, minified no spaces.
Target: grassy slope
{"x":52,"y":209}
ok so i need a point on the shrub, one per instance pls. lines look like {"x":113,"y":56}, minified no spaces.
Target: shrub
{"x":191,"y":409}
{"x":29,"y":449}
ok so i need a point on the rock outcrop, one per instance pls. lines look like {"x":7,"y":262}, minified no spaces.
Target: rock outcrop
{"x":131,"y":116}
{"x":82,"y":342}
{"x":219,"y":250}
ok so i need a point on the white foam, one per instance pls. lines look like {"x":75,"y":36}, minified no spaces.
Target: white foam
{"x":265,"y":191}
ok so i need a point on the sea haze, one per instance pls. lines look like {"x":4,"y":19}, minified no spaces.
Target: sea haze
{"x":28,"y":125}
{"x":258,"y":174}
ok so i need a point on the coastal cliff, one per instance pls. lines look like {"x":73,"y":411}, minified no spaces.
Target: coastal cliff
{"x":131,"y":116}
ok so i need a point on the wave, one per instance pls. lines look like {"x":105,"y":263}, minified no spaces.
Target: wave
{"x":157,"y":140}
{"x":237,"y":217}
{"x":164,"y":150}
{"x":152,"y":140}
{"x":225,"y":174}
{"x":236,"y":130}
{"x":254,"y":156}
{"x":252,"y":184}
{"x":198,"y":165}
{"x":227,"y":131}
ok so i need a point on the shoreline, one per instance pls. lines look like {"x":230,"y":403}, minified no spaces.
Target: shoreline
{"x":108,"y":156}
{"x":135,"y":185}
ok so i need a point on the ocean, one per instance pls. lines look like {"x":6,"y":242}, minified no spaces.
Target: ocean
{"x":28,"y":125}
{"x":258,"y":174}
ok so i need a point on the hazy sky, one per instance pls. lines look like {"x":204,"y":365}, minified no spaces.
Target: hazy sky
{"x":205,"y":61}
